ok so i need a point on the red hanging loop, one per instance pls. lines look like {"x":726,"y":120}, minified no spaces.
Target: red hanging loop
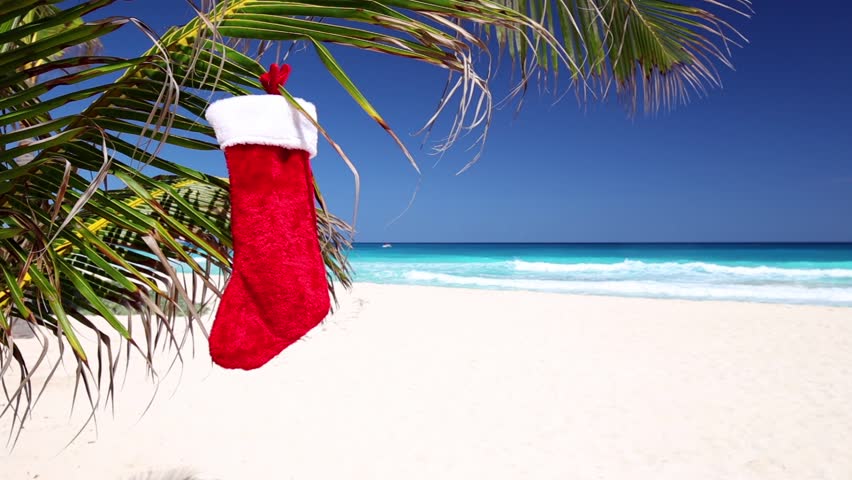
{"x":275,"y":78}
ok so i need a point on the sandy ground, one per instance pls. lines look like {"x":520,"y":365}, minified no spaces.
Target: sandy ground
{"x":432,"y":383}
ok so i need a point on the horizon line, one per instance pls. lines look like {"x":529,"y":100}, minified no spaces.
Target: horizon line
{"x":773,"y":242}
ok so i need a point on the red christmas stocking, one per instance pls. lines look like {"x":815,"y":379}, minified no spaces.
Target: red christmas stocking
{"x":277,"y":291}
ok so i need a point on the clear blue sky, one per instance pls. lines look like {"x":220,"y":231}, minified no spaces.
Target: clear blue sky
{"x":767,"y":158}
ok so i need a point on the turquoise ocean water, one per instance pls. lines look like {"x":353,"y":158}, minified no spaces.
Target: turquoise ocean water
{"x":819,"y":274}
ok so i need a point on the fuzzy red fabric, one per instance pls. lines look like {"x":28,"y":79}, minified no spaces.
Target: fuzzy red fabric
{"x":275,"y":78}
{"x":278,"y":290}
{"x":317,"y":309}
{"x":240,"y":337}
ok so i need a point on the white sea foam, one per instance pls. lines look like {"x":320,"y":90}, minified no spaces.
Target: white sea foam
{"x":637,"y":267}
{"x":789,"y":293}
{"x":796,"y":283}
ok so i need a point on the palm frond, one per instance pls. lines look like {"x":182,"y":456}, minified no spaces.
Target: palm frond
{"x":656,"y":52}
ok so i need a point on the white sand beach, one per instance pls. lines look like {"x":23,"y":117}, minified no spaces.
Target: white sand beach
{"x":437,"y":383}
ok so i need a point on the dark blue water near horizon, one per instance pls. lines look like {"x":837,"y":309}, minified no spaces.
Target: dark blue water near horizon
{"x":803,"y":273}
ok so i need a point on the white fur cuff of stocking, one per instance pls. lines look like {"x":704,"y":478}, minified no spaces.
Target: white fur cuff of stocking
{"x":263,"y":120}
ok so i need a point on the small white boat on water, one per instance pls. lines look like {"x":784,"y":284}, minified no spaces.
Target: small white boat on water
{"x":387,"y":245}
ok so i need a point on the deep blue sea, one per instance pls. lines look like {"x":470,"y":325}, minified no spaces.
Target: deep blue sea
{"x":819,"y":274}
